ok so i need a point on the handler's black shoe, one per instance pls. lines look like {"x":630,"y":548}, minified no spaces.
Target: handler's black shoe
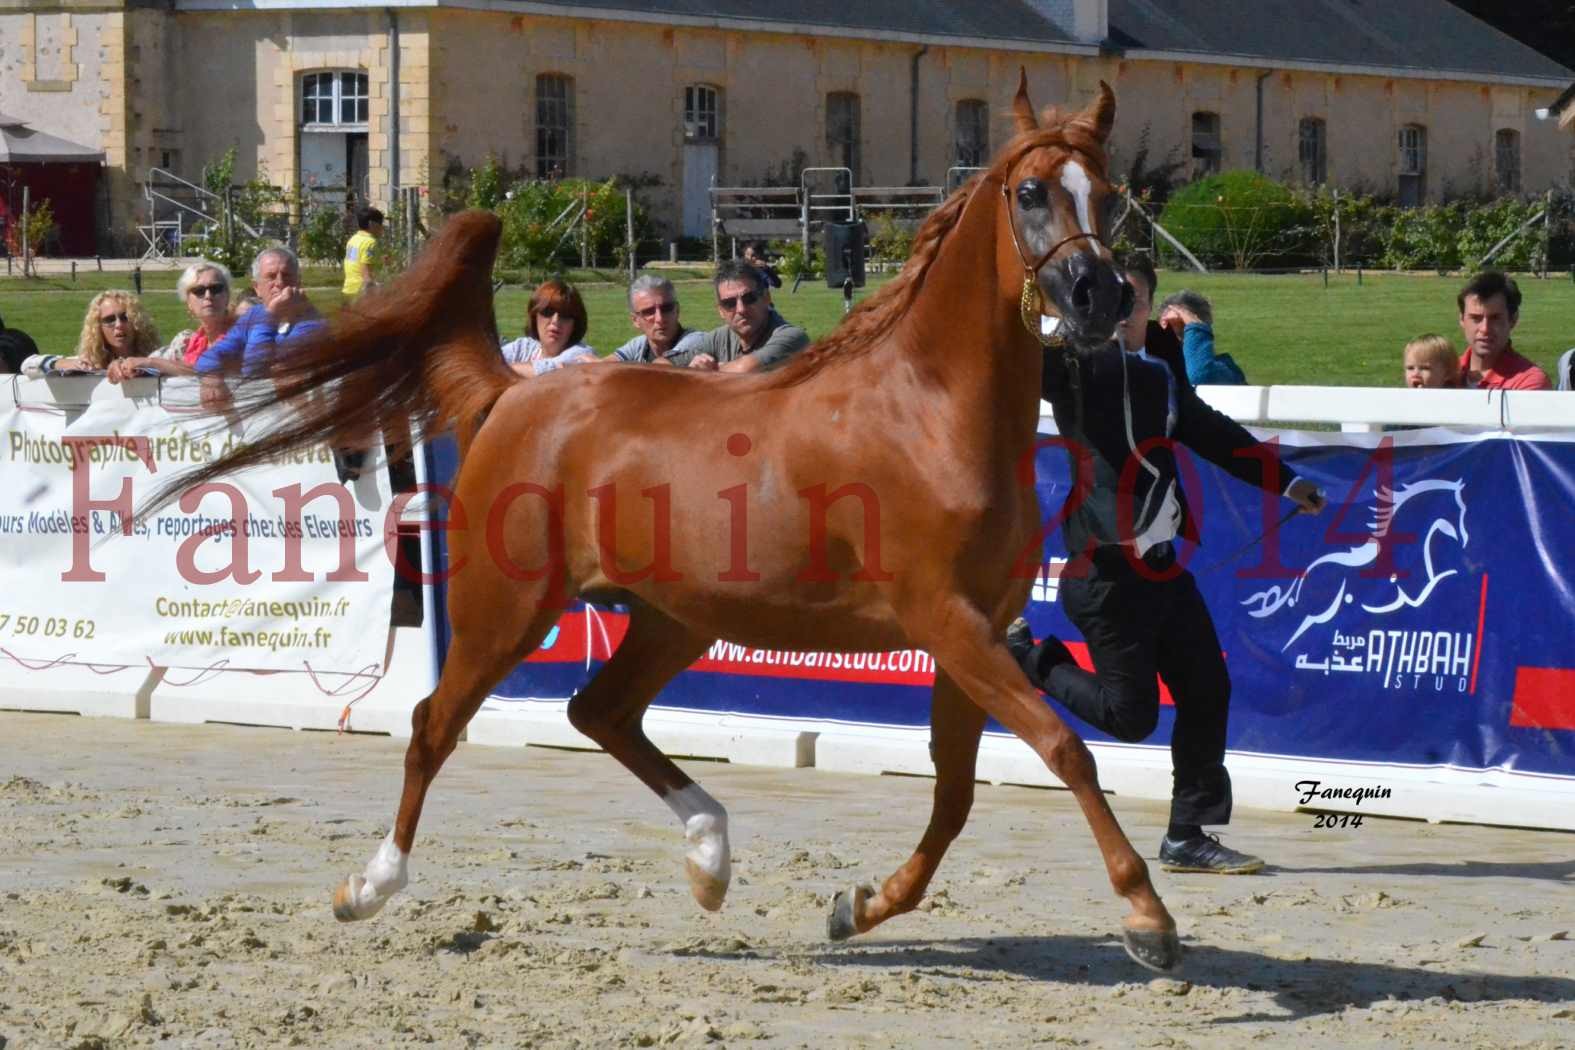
{"x":1205,"y":853}
{"x":1019,"y":639}
{"x":1037,"y":661}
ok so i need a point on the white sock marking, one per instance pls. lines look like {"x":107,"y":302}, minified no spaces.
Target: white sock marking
{"x":386,"y":874}
{"x":705,"y":829}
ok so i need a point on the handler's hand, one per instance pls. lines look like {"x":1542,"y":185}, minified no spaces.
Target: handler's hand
{"x":1307,"y":496}
{"x":704,"y":362}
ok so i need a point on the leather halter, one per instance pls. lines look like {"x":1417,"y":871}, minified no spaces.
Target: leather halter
{"x":1031,"y":304}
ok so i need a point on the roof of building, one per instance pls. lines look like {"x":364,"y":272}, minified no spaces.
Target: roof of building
{"x":1014,"y":20}
{"x":1431,"y":36}
{"x":20,"y":144}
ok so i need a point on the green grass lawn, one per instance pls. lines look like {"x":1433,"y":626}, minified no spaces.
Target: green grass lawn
{"x":1281,"y":329}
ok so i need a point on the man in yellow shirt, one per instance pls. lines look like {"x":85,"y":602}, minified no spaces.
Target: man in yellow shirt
{"x":361,"y":253}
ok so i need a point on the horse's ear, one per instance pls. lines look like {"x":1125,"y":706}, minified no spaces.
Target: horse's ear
{"x":1100,"y":116}
{"x":1022,"y":109}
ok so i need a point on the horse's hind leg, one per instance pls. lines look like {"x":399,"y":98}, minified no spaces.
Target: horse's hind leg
{"x":609,"y":709}
{"x":480,"y":653}
{"x":956,"y":724}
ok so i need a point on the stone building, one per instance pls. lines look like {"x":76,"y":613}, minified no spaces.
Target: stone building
{"x":1410,"y":97}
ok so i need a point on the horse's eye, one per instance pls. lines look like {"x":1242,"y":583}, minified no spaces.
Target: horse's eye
{"x":1031,"y":194}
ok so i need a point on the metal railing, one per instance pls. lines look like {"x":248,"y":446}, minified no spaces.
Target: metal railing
{"x":179,"y":211}
{"x":799,"y":212}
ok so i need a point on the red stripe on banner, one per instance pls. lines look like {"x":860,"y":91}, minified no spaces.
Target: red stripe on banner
{"x":1544,"y":698}
{"x":1476,"y":657}
{"x":599,"y":633}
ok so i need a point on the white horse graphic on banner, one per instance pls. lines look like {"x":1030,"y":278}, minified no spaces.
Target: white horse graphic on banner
{"x":1342,"y":571}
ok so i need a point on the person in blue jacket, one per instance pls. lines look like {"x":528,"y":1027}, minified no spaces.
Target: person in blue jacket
{"x":1189,"y":317}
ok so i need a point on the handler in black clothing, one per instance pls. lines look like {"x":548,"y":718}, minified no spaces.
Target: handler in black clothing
{"x":1138,"y":611}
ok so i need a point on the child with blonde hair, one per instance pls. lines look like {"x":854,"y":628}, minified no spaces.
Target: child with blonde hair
{"x":1431,"y":363}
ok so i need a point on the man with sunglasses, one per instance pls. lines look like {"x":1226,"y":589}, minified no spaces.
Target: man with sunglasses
{"x":753,"y":337}
{"x":653,"y":310}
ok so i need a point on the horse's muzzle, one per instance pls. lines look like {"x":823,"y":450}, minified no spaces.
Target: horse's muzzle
{"x":1091,"y":297}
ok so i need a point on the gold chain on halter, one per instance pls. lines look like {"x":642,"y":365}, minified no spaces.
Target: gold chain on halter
{"x":1030,"y":306}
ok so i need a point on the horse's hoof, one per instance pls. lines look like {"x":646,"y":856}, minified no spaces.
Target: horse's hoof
{"x":1157,"y":950}
{"x":709,"y":891}
{"x":841,"y":923}
{"x":345,"y":907}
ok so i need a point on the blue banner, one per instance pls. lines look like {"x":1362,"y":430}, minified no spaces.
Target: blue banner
{"x":1427,"y":617}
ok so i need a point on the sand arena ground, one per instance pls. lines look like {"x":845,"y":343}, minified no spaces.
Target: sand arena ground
{"x":169,"y":885}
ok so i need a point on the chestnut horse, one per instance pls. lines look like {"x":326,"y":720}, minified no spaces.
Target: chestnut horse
{"x":922,"y":407}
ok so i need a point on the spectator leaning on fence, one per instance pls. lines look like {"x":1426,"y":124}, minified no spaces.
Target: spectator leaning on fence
{"x":1489,"y":310}
{"x":653,"y":310}
{"x":116,"y":327}
{"x":555,"y":325}
{"x":754,"y":337}
{"x":205,"y":290}
{"x":1190,"y":317}
{"x":1431,"y":364}
{"x":282,"y":315}
{"x":361,"y":253}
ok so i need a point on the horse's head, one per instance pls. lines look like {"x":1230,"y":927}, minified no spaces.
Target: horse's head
{"x":1058,"y":211}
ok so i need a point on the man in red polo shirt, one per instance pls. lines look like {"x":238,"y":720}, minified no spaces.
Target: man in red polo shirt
{"x":1489,"y":308}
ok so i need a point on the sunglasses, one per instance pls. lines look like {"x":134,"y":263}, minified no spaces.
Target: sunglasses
{"x":748,"y":299}
{"x":660,"y":308}
{"x":552,"y":312}
{"x":109,"y":319}
{"x":203,"y":291}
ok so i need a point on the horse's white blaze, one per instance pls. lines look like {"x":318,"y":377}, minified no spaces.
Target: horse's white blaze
{"x":705,"y":829}
{"x":1076,"y":182}
{"x":386,"y":874}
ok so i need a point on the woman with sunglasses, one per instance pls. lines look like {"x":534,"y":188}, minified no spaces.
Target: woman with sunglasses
{"x":116,"y":328}
{"x":554,"y":325}
{"x":204,"y":289}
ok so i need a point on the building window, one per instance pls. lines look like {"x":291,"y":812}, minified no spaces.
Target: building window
{"x":334,"y":99}
{"x":842,"y":131}
{"x":554,"y":125}
{"x":1506,"y":160}
{"x":702,"y":120}
{"x":1413,"y":165}
{"x":1205,"y":144}
{"x":973,"y":134}
{"x":1311,"y":152}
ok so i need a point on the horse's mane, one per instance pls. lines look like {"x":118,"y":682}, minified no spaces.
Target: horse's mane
{"x":868,"y":323}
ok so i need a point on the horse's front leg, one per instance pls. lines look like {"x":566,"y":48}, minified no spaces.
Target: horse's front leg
{"x":956,"y":724}
{"x":967,"y":647}
{"x":483,"y":649}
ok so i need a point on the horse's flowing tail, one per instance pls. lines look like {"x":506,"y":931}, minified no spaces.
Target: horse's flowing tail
{"x":424,"y":350}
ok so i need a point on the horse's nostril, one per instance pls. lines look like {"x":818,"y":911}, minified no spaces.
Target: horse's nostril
{"x":1083,"y":293}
